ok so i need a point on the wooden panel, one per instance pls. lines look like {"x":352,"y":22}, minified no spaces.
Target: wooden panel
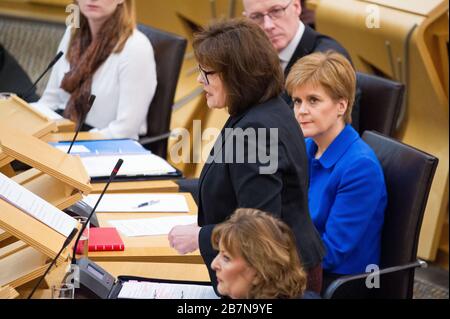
{"x":49,"y":188}
{"x":173,"y":271}
{"x":138,"y":187}
{"x":412,"y":6}
{"x":17,"y":111}
{"x":38,"y":154}
{"x":30,"y":230}
{"x":8,"y":293}
{"x":21,"y":266}
{"x":68,"y":136}
{"x":7,"y":170}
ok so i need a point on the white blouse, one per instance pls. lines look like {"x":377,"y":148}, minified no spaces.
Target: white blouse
{"x":124,"y":86}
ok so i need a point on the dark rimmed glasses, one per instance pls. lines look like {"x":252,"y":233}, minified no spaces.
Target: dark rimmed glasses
{"x":274,"y":14}
{"x":205,"y":74}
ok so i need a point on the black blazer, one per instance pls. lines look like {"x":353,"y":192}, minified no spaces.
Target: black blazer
{"x":313,"y":41}
{"x":224,"y":187}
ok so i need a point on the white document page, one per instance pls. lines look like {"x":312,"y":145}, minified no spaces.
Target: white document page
{"x":47,"y":112}
{"x":153,"y":290}
{"x":75,"y":148}
{"x":162,"y":203}
{"x":133,"y":165}
{"x":151,"y":226}
{"x":35,"y":206}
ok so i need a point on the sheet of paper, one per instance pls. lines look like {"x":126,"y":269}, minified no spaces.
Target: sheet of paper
{"x":151,"y":226}
{"x":161,"y":203}
{"x":75,"y":148}
{"x":133,"y":165}
{"x":47,"y":112}
{"x":35,"y":206}
{"x":153,"y":290}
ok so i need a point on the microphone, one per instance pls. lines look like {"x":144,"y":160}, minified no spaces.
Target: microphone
{"x":66,"y":242}
{"x":81,"y":122}
{"x":111,"y":177}
{"x":51,"y":64}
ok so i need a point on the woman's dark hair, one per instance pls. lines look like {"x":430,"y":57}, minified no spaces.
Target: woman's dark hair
{"x":240,"y":52}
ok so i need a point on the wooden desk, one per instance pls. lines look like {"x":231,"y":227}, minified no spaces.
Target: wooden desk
{"x":8,"y":293}
{"x":163,"y":186}
{"x":68,"y":136}
{"x":174,"y":271}
{"x":148,"y":248}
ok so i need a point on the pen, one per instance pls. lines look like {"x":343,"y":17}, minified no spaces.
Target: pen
{"x":152,"y":202}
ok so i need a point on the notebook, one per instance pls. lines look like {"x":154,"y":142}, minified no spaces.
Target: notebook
{"x":100,"y":156}
{"x":103,"y":239}
{"x":101,"y":147}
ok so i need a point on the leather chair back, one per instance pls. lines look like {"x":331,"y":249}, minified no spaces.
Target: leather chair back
{"x":169,"y":52}
{"x":380,"y":103}
{"x":408,"y":174}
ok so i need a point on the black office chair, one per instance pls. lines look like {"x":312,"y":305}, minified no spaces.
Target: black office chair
{"x":13,"y":77}
{"x":408,"y":173}
{"x":380,"y":102}
{"x":169,"y":52}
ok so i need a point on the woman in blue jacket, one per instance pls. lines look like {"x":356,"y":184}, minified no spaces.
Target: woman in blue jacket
{"x":347,"y":192}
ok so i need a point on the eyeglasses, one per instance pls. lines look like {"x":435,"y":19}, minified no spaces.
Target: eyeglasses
{"x":274,"y":14}
{"x":205,"y":74}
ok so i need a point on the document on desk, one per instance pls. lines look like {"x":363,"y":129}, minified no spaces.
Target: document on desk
{"x":133,"y":165}
{"x":151,"y":226}
{"x":155,"y":290}
{"x":78,"y":149}
{"x":102,"y":147}
{"x":140,"y":203}
{"x":47,"y":112}
{"x":35,"y":206}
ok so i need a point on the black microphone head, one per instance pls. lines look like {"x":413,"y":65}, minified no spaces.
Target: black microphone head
{"x":91,"y":100}
{"x":28,"y":92}
{"x":116,"y":168}
{"x":56,"y":59}
{"x":70,"y":237}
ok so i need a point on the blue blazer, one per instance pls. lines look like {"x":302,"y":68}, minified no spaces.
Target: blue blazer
{"x":347,"y":200}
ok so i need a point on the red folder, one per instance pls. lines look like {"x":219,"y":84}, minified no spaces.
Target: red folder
{"x":103,"y":239}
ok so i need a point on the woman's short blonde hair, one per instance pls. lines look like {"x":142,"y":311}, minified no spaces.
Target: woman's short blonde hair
{"x":267,"y":245}
{"x":330,"y":70}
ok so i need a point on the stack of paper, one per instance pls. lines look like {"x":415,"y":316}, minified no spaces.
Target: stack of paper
{"x":151,"y":226}
{"x":143,"y":203}
{"x":154,"y":290}
{"x":133,"y":165}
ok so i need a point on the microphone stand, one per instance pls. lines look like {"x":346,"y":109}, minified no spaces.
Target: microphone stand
{"x":66,"y":242}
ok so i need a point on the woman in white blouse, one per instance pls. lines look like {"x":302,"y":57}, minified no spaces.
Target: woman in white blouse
{"x":109,"y":58}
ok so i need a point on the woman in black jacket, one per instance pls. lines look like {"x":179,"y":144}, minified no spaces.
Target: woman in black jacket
{"x":259,"y":159}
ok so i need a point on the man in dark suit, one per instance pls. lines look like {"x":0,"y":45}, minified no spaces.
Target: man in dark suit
{"x":291,"y":37}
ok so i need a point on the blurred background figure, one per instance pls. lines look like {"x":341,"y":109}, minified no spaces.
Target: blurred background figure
{"x":108,"y":57}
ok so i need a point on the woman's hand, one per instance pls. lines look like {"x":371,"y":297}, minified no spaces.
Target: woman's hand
{"x":184,"y":238}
